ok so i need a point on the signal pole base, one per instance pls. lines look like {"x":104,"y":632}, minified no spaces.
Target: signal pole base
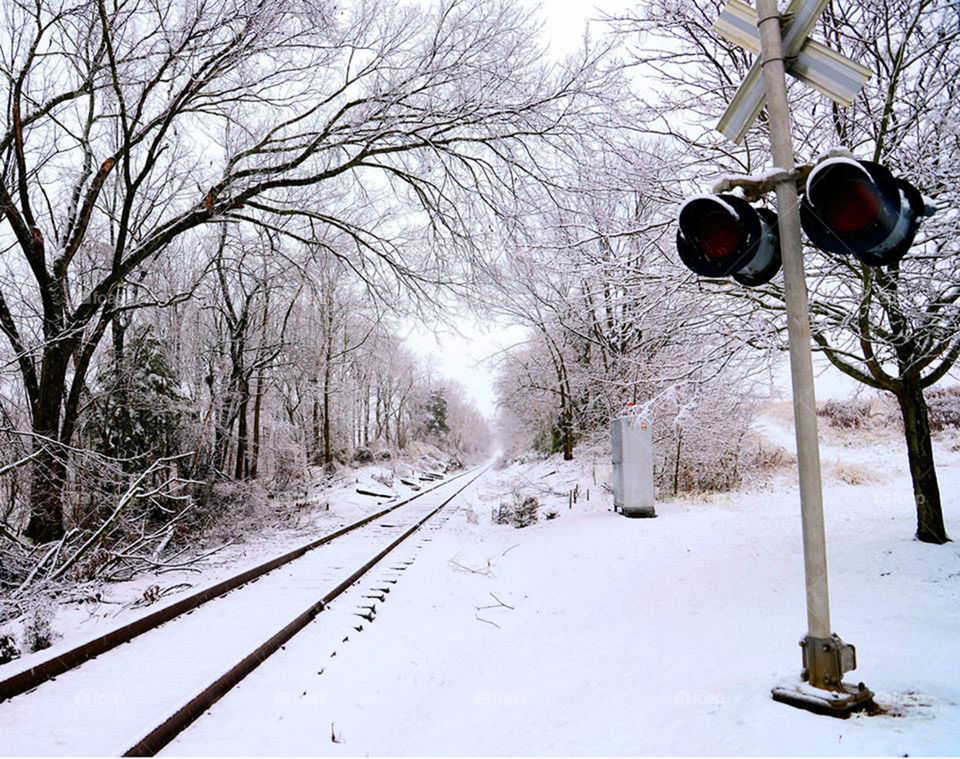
{"x":841,"y":704}
{"x":638,"y":512}
{"x":822,"y":690}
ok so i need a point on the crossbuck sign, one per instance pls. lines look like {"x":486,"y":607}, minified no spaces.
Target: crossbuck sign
{"x":836,"y":76}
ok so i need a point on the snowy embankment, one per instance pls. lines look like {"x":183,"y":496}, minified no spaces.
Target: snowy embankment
{"x":594,"y":634}
{"x":264,"y":528}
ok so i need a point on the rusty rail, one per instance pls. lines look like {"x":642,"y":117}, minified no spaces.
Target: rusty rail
{"x":30,"y":678}
{"x":180,"y":720}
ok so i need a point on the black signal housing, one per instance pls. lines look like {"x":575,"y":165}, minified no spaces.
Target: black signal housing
{"x":724,"y":236}
{"x":859,"y":208}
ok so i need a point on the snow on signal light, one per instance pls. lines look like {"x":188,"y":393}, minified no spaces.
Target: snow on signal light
{"x":723,"y":236}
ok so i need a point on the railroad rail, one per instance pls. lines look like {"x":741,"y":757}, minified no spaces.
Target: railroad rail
{"x":210,"y":645}
{"x":29,"y":677}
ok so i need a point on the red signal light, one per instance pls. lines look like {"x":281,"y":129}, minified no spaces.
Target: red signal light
{"x":718,"y":234}
{"x":851,"y":206}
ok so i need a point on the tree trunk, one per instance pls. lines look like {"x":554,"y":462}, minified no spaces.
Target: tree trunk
{"x":676,"y":464}
{"x":366,"y":415}
{"x":566,"y":422}
{"x":916,"y":428}
{"x":50,"y":467}
{"x":46,"y":496}
{"x":327,"y":447}
{"x":240,"y":470}
{"x":315,"y":429}
{"x":257,"y":405}
{"x":567,"y":437}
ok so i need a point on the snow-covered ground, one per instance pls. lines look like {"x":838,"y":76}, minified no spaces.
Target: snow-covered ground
{"x":594,"y":634}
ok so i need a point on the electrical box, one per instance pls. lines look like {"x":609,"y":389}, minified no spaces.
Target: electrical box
{"x":631,"y":438}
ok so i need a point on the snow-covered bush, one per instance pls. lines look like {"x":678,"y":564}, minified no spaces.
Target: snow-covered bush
{"x":38,"y":632}
{"x":362,"y":456}
{"x":8,"y":649}
{"x":852,"y":474}
{"x":526,"y":512}
{"x":700,"y":441}
{"x":943,"y":408}
{"x":229,"y":506}
{"x":520,"y":511}
{"x":850,"y":414}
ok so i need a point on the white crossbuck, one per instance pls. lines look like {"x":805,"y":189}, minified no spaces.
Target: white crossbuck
{"x":836,"y":76}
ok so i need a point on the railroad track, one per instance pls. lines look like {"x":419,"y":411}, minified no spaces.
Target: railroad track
{"x":139,"y":697}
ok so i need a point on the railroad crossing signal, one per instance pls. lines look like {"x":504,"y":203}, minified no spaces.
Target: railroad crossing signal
{"x":849,"y":208}
{"x":826,"y":658}
{"x":836,"y":76}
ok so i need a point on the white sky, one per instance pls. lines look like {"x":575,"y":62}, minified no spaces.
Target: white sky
{"x":466,"y":357}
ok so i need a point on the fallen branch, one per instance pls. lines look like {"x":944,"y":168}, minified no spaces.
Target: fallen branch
{"x":133,"y":492}
{"x":486,"y":572}
{"x":361,"y":491}
{"x":498,"y":605}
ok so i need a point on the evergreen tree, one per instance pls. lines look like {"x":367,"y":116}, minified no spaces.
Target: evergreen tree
{"x":140,"y":409}
{"x":437,"y":414}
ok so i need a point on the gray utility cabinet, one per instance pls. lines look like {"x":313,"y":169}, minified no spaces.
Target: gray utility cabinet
{"x":631,"y":438}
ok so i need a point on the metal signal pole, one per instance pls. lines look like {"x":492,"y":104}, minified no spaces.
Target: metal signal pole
{"x":798,"y":322}
{"x":825,"y":656}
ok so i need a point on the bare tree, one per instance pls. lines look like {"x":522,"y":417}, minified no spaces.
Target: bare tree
{"x":130,"y":127}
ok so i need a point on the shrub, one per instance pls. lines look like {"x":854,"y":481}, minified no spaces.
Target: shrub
{"x":519,"y":512}
{"x":852,"y":474}
{"x":38,"y":632}
{"x":943,"y":408}
{"x":526,"y":512}
{"x":8,"y":649}
{"x":288,"y":467}
{"x":852,"y":414}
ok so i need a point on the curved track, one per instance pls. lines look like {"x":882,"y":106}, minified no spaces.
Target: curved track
{"x":22,"y":678}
